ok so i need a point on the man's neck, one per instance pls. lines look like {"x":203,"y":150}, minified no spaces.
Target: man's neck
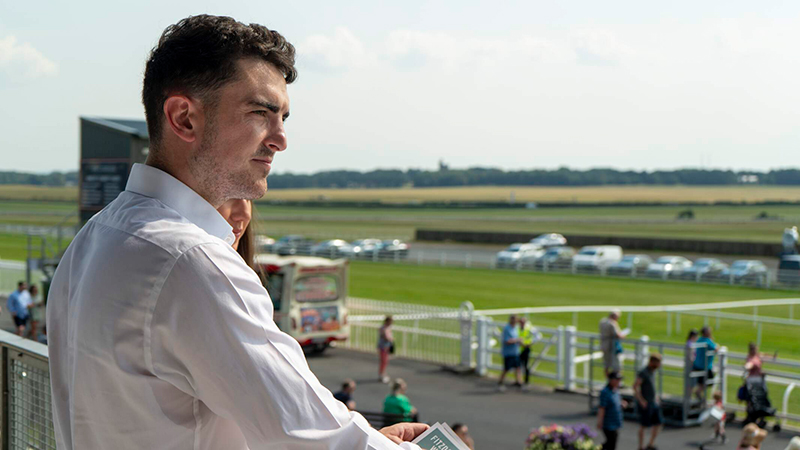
{"x":184,"y":176}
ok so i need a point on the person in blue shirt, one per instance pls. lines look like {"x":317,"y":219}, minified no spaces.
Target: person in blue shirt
{"x":511,"y":342}
{"x":609,"y":415}
{"x":704,"y":360}
{"x":18,"y":303}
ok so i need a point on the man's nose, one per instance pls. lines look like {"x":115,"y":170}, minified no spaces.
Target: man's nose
{"x":276,"y":138}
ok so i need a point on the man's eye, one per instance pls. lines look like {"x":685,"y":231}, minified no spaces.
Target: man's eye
{"x":262,"y":113}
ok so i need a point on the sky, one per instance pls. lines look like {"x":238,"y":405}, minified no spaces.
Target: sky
{"x":387,"y":84}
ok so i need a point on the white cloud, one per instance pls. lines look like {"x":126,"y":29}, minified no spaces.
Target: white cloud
{"x":24,"y":61}
{"x":451,"y":51}
{"x":600,"y":47}
{"x":340,"y":51}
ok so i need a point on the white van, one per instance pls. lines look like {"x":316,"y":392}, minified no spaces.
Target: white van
{"x":597,"y":256}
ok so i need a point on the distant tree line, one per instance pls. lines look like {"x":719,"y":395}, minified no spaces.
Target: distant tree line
{"x":559,"y":177}
{"x":35,"y":179}
{"x":478,"y":177}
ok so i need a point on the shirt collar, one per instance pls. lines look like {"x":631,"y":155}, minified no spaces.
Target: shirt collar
{"x":155,"y":183}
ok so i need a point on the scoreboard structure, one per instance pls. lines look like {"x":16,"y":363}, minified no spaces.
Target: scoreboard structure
{"x":109,"y":148}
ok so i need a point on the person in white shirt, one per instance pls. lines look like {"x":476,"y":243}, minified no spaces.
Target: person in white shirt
{"x":160,"y":336}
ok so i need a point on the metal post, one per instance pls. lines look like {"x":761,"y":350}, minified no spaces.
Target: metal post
{"x":28,"y":260}
{"x":481,"y":362}
{"x":465,"y":314}
{"x":758,"y":340}
{"x":643,"y":352}
{"x":560,"y":353}
{"x":590,"y":363}
{"x":575,"y":319}
{"x":468,"y":262}
{"x":570,"y":339}
{"x":677,"y":322}
{"x":630,"y":320}
{"x":722,"y":362}
{"x":755,"y":315}
{"x":419,"y":258}
{"x":687,"y":382}
{"x":669,"y":324}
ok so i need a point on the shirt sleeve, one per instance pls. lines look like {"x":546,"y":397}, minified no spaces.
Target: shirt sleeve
{"x":603,"y":399}
{"x":212,"y":336}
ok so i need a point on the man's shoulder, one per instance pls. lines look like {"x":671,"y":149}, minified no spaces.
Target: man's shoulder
{"x":151,"y":221}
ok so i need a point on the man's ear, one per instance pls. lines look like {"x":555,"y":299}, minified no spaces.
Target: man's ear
{"x":181,"y":114}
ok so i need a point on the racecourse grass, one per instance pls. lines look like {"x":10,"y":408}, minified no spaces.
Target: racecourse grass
{"x":498,"y":289}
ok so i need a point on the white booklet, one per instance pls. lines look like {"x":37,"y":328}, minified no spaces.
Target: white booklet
{"x":440,"y":437}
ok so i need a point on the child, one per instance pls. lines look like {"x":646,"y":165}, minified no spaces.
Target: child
{"x":719,"y":427}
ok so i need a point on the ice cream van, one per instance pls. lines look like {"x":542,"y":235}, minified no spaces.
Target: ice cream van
{"x":309,"y":297}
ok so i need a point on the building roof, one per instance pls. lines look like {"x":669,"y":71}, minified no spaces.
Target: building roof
{"x":137,"y":128}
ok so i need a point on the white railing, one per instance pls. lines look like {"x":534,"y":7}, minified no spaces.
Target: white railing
{"x":564,"y":355}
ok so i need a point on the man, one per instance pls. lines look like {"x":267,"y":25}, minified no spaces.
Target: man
{"x":649,"y":405}
{"x":19,"y":303}
{"x":609,"y":414}
{"x":704,"y":361}
{"x":528,"y":336}
{"x":160,"y":334}
{"x":510,"y":350}
{"x":346,"y":394}
{"x":610,"y":334}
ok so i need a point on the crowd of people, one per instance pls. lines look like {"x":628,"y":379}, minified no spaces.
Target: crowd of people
{"x":700,"y":350}
{"x":21,"y":305}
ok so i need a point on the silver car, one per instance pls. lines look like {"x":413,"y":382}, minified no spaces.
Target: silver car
{"x":704,"y":268}
{"x":746,"y":271}
{"x":630,"y":265}
{"x":667,"y":266}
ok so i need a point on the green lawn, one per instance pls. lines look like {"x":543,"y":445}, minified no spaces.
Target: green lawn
{"x":495,"y":289}
{"x":320,"y":222}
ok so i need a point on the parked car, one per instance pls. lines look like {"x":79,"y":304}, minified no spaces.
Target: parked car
{"x":393,"y":248}
{"x":334,"y":248}
{"x":555,"y":257}
{"x":708,"y":268}
{"x":293,"y":244}
{"x":630,"y":264}
{"x":264,"y":244}
{"x":594,"y":257}
{"x":667,"y":266}
{"x":362,"y":248}
{"x":746,"y":271}
{"x":518,"y":254}
{"x":789,"y":270}
{"x":548,"y":240}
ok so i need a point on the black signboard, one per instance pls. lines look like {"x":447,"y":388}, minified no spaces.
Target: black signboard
{"x":101,"y":182}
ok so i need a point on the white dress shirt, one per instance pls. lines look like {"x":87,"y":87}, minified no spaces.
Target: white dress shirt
{"x":161,"y":337}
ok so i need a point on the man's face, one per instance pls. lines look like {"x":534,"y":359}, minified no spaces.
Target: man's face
{"x":614,"y":382}
{"x":241,"y":133}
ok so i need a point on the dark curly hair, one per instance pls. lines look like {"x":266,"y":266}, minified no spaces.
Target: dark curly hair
{"x":198,"y":55}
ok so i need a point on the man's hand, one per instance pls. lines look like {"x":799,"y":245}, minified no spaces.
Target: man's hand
{"x":403,"y":432}
{"x":643,"y":404}
{"x":599,"y":425}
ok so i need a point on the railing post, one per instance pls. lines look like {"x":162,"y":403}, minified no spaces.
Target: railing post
{"x":758,"y":339}
{"x":6,"y":400}
{"x":669,"y":324}
{"x":483,"y":345}
{"x":419,"y":258}
{"x":465,"y":314}
{"x":722,"y":362}
{"x":687,"y":382}
{"x":570,"y":339}
{"x":560,"y":353}
{"x":642,"y":353}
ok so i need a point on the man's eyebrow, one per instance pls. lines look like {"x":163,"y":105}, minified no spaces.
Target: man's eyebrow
{"x":268,"y":106}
